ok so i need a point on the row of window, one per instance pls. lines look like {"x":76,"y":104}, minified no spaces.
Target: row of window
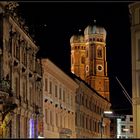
{"x":33,"y":96}
{"x":80,"y":99}
{"x":95,"y":39}
{"x":79,"y":47}
{"x":28,"y":125}
{"x":130,"y":119}
{"x":58,"y":91}
{"x":82,"y":60}
{"x":87,"y":123}
{"x":20,"y":48}
{"x":59,"y":120}
{"x":99,"y":52}
{"x":99,"y":55}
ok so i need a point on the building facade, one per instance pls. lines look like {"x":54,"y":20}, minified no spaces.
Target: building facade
{"x":88,"y":58}
{"x":90,"y":107}
{"x":125,"y":127}
{"x":134,"y":9}
{"x":20,"y":78}
{"x":58,"y":102}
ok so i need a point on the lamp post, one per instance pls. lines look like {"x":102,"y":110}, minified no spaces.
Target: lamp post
{"x":102,"y":119}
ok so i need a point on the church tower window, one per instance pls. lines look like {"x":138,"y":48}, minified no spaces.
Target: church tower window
{"x":99,"y":53}
{"x":82,"y":59}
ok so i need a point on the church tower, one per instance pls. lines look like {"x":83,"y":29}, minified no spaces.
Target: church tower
{"x":88,"y":58}
{"x":78,"y":55}
{"x":95,"y":63}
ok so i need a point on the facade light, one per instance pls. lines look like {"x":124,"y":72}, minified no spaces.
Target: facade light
{"x":108,"y":112}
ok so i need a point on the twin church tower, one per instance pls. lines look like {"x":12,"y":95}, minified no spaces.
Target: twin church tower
{"x":88,"y":58}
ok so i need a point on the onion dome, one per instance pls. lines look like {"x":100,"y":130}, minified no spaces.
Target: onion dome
{"x":79,"y":38}
{"x":94,"y":29}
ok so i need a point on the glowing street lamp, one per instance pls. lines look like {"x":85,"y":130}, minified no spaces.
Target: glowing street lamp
{"x":104,"y":114}
{"x":40,"y":137}
{"x":126,"y":130}
{"x":108,"y":112}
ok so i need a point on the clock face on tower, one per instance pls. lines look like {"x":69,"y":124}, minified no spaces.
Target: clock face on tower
{"x":99,"y":68}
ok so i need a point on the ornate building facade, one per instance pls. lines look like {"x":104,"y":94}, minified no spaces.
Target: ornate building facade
{"x":20,"y":78}
{"x":134,"y":9}
{"x":88,"y":58}
{"x":58,"y":102}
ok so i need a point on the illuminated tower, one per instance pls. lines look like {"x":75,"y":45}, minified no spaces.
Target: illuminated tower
{"x":96,"y":64}
{"x":78,"y":55}
{"x":88,"y":58}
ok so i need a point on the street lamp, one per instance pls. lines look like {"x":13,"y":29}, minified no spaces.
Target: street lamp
{"x":126,"y":131}
{"x":104,"y":114}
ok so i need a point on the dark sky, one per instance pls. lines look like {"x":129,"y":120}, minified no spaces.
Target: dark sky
{"x":53,"y":23}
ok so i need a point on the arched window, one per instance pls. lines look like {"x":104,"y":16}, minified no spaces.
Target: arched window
{"x":99,"y":52}
{"x":83,"y":60}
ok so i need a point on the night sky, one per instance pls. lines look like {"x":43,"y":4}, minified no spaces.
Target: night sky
{"x":53,"y":24}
